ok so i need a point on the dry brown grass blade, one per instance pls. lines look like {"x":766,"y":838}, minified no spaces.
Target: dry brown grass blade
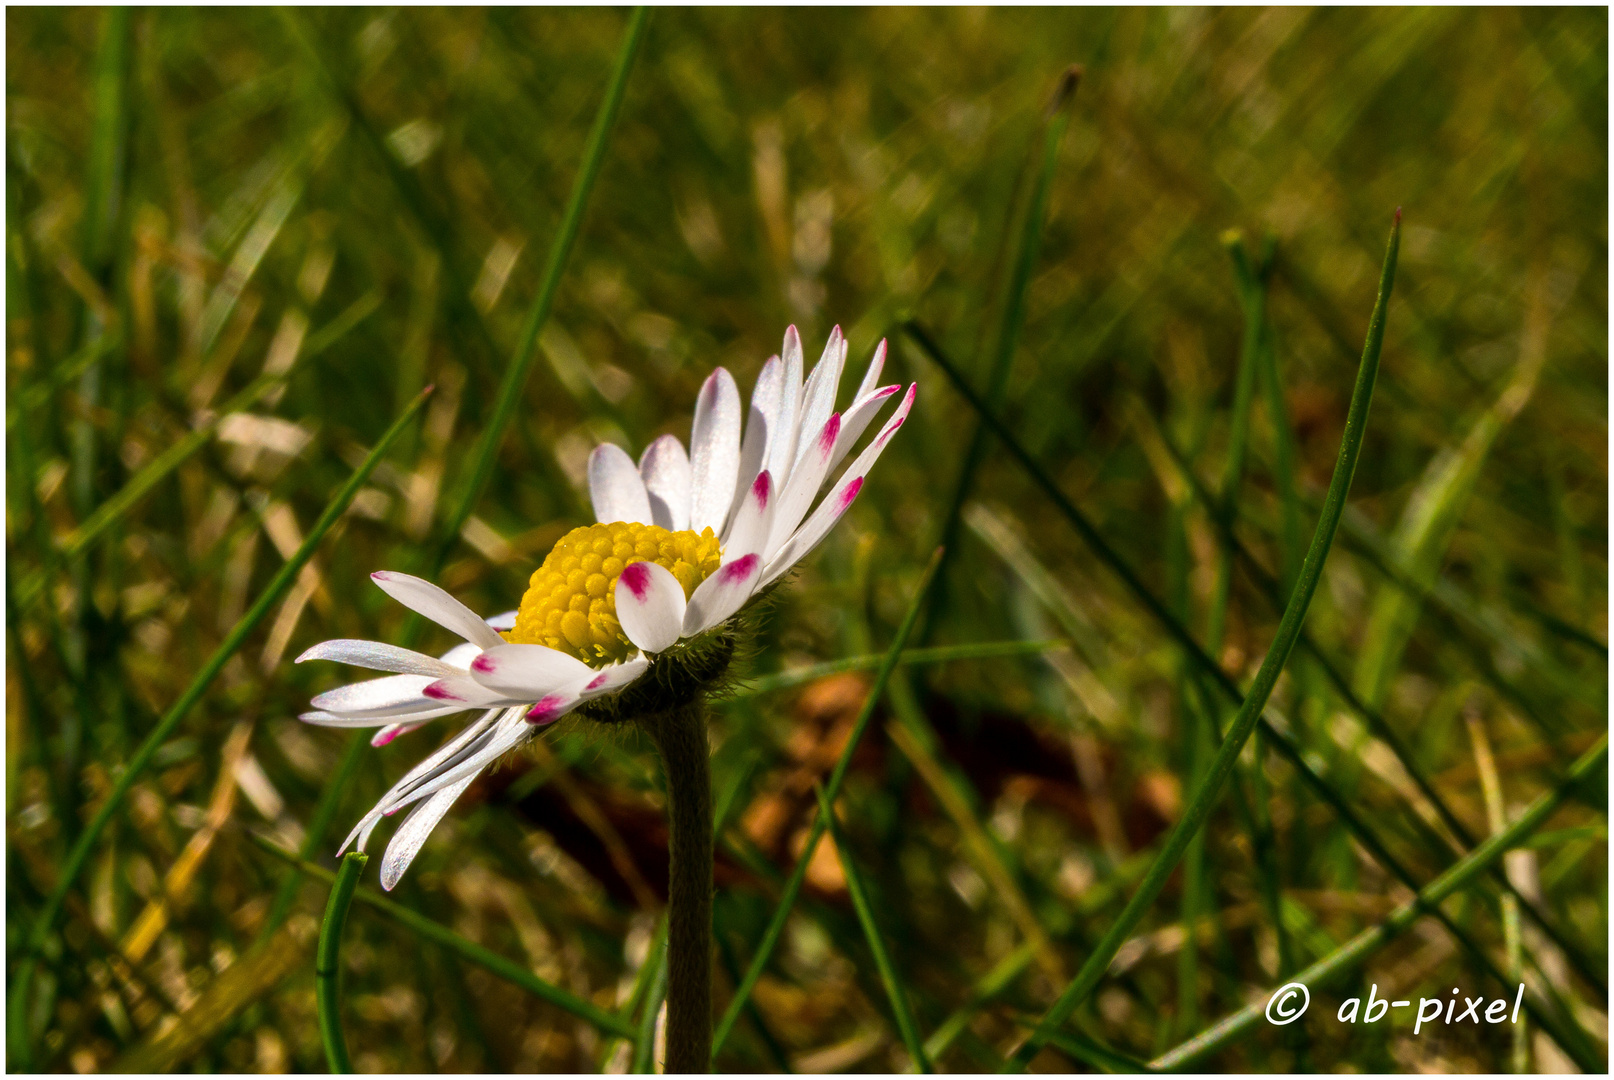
{"x":250,"y":978}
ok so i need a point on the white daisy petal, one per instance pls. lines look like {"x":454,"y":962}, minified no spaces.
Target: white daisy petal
{"x":722,"y":594}
{"x":760,"y":425}
{"x":753,"y":520}
{"x":460,"y":656}
{"x":392,"y":731}
{"x":375,"y":696}
{"x":406,"y":842}
{"x":377,"y":657}
{"x":714,"y":452}
{"x":782,"y":443}
{"x":505,"y":620}
{"x":871,"y":378}
{"x":412,"y":719}
{"x":664,"y":467}
{"x":614,"y":678}
{"x":438,"y":606}
{"x":818,"y":399}
{"x":615,"y":488}
{"x":857,"y":419}
{"x":803,"y":487}
{"x":502,"y":738}
{"x":838,"y":500}
{"x":467,"y":735}
{"x":649,"y":605}
{"x":468,"y":693}
{"x":528,"y":672}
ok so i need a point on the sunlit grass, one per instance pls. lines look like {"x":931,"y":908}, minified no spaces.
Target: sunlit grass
{"x":240,"y":244}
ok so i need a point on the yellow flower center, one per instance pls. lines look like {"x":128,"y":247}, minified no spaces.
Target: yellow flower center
{"x":570,"y":602}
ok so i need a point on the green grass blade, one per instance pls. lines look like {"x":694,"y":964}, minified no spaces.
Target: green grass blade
{"x":114,"y":509}
{"x":895,"y":991}
{"x":1386,"y":732}
{"x":507,"y":970}
{"x":1350,"y":955}
{"x":1249,"y":713}
{"x":1429,"y":523}
{"x":792,"y":889}
{"x":935,"y":654}
{"x":1340,"y":804}
{"x":644,"y":1043}
{"x":515,"y":375}
{"x":328,"y":962}
{"x":1014,"y":305}
{"x":993,"y":983}
{"x":74,"y":863}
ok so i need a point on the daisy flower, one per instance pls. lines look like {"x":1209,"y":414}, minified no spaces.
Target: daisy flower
{"x":632,"y":615}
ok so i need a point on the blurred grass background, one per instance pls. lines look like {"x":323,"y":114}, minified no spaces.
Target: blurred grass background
{"x":364,"y":199}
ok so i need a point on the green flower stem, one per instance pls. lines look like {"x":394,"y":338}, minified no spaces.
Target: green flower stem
{"x":792,"y":889}
{"x":936,"y":654}
{"x":1350,"y":955}
{"x":680,"y":737}
{"x":1204,"y":800}
{"x":80,"y":853}
{"x":508,"y":970}
{"x":895,"y":991}
{"x":328,"y":962}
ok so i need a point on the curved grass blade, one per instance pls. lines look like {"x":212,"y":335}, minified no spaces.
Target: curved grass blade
{"x":894,"y":989}
{"x":79,"y":855}
{"x":328,"y":962}
{"x":571,"y":222}
{"x":1384,"y":731}
{"x":1204,"y":799}
{"x":432,"y":931}
{"x":644,"y":1044}
{"x":792,"y":889}
{"x":1350,"y":955}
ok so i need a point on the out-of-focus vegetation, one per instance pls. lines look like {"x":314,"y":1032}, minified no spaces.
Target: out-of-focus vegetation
{"x":361,"y":201}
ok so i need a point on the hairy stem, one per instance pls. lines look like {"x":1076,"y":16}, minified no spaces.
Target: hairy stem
{"x":680,"y":736}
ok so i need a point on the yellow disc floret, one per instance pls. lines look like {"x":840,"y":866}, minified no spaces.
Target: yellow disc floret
{"x":570,"y":602}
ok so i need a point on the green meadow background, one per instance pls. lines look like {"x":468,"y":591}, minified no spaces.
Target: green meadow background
{"x":358,"y":203}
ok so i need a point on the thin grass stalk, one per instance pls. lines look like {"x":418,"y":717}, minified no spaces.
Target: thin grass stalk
{"x":1178,"y":632}
{"x":896,"y":992}
{"x":1350,"y":955}
{"x":45,"y":921}
{"x":328,"y":963}
{"x":508,"y":970}
{"x":934,"y":654}
{"x":1496,"y":818}
{"x":1381,"y":728}
{"x":643,"y":983}
{"x":644,"y":1043}
{"x":113,"y":510}
{"x":560,"y":250}
{"x":792,"y":889}
{"x":1199,"y":808}
{"x":993,"y":983}
{"x":1056,"y":119}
